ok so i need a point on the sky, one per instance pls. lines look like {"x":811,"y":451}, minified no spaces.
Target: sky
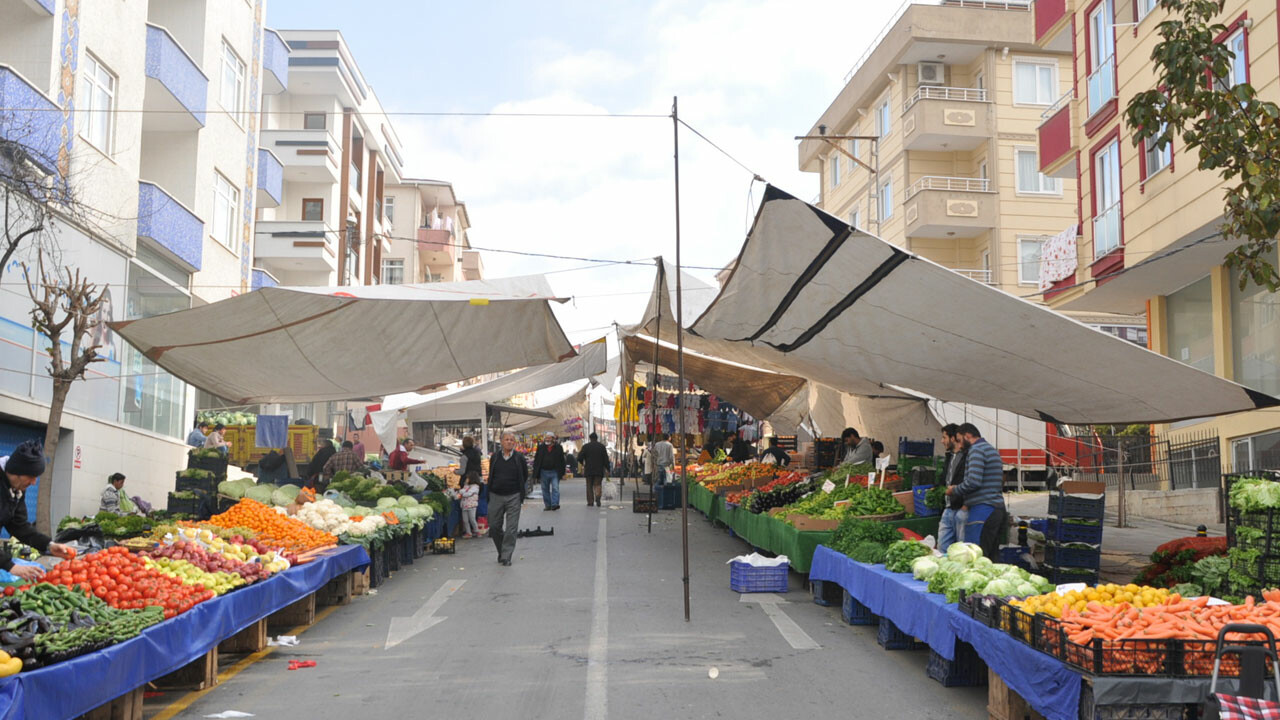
{"x":749,"y":74}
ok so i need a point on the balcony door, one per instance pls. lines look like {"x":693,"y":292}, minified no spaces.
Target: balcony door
{"x":1102,"y":52}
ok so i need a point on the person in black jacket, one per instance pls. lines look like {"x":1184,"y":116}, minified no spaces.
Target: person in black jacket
{"x":19,"y":471}
{"x":507,"y":476}
{"x":954,"y":517}
{"x":316,"y":466}
{"x":594,"y":459}
{"x":548,"y":467}
{"x":741,"y":451}
{"x":780,"y":457}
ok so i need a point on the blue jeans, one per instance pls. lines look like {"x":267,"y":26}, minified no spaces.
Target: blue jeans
{"x":550,"y":488}
{"x":951,"y":526}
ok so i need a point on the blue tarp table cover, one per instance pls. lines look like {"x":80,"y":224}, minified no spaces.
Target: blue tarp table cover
{"x":896,"y":596}
{"x":72,"y":688}
{"x":1046,"y":683}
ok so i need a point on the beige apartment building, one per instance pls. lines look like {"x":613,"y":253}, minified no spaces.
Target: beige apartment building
{"x":954,"y":93}
{"x":1149,"y":237}
{"x":428,"y":231}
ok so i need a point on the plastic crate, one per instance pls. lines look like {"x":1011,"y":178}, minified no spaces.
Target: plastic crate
{"x":404,"y":545}
{"x":1068,"y":532}
{"x":1016,"y":621}
{"x":966,"y":670}
{"x":916,"y":448}
{"x":1063,"y":505}
{"x":826,"y":593}
{"x":418,"y":542}
{"x":906,"y":466}
{"x":744,"y":578}
{"x":378,"y":573}
{"x":1060,"y":556}
{"x":217,"y":466}
{"x":1064,"y":575}
{"x":917,"y":500}
{"x":1039,"y":524}
{"x":1012,"y":555}
{"x":392,"y":553}
{"x":643,"y":502}
{"x":206,"y":485}
{"x":855,"y":613}
{"x":891,"y":638}
{"x":1163,"y":711}
{"x":669,"y":496}
{"x":186,"y":506}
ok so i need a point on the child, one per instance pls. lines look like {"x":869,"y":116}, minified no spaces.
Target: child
{"x":470,"y":501}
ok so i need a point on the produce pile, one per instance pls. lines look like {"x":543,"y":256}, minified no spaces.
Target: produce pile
{"x":866,"y":541}
{"x":213,"y":417}
{"x":1192,"y":566}
{"x":936,"y":498}
{"x":713,"y":478}
{"x":861,"y":501}
{"x":780,"y":492}
{"x":112,"y":525}
{"x":274,"y":529}
{"x":965,"y":568}
{"x":45,"y":623}
{"x":124,"y":581}
{"x":1255,"y":555}
{"x":1110,"y":595}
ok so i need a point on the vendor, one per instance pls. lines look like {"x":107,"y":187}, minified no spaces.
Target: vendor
{"x":111,"y":495}
{"x":780,"y":457}
{"x":19,"y":471}
{"x":323,"y":453}
{"x":741,"y":451}
{"x":399,"y":458}
{"x":216,"y":441}
{"x":857,"y":448}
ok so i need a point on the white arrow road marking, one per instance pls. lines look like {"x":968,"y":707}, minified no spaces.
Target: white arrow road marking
{"x":791,"y":632}
{"x":404,"y":628}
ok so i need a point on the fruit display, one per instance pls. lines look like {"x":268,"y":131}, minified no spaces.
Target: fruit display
{"x":213,"y":563}
{"x":274,"y":529}
{"x":855,"y":501}
{"x":1110,"y":595}
{"x":220,"y":582}
{"x":124,"y":581}
{"x":730,"y":475}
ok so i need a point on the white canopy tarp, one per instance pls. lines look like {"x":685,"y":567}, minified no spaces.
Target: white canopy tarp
{"x":293,"y":345}
{"x":813,"y":297}
{"x":560,"y":403}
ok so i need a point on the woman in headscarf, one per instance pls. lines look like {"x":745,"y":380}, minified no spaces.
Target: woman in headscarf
{"x":19,"y":471}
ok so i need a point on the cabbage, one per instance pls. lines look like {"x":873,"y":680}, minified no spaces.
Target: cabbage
{"x":401,"y":514}
{"x":1041,"y":583}
{"x":365,"y":510}
{"x":405,"y":501}
{"x":293,"y":491}
{"x":386,"y":503}
{"x":261,"y":493}
{"x":1026,"y":589}
{"x":982,"y":563}
{"x":999,"y":588}
{"x":971,"y":580}
{"x":230,"y":488}
{"x":1252,"y":494}
{"x":966,"y":553}
{"x":923,"y":568}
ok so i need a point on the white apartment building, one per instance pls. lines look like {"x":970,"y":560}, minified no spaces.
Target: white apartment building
{"x":428,"y":230}
{"x":149,"y":110}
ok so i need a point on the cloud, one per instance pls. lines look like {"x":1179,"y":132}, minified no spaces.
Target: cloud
{"x":582,"y":70}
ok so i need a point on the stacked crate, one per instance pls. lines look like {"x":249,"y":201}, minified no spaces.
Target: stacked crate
{"x":1255,"y":538}
{"x":1074,"y":549}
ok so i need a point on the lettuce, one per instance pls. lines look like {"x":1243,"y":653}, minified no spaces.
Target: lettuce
{"x":966,"y":553}
{"x":923,"y":568}
{"x":1254,"y":494}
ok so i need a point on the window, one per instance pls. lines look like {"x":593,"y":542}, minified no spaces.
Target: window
{"x":389,"y":209}
{"x":1145,"y":7}
{"x":982,"y":170}
{"x":855,"y":147}
{"x":313,"y":121}
{"x":886,"y":200}
{"x":1030,"y":179}
{"x":1106,"y":199}
{"x":1189,"y":314}
{"x":97,"y":101}
{"x":232,"y":97}
{"x":1029,"y":260}
{"x":153,"y":399}
{"x":1035,"y":82}
{"x":979,"y":81}
{"x":1155,"y":159}
{"x":1260,"y":452}
{"x":313,"y":209}
{"x":226,"y":210}
{"x":393,"y":271}
{"x":1255,"y":334}
{"x":855,"y":218}
{"x":1102,"y":56}
{"x":835,"y":169}
{"x":882,"y":119}
{"x":1238,"y":43}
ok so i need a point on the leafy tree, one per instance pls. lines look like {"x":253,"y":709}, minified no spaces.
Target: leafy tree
{"x":1236,"y":133}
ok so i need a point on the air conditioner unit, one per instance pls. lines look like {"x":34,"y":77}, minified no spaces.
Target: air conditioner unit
{"x":931,"y":73}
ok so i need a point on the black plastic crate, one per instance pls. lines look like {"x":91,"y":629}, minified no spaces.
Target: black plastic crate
{"x":186,"y":506}
{"x":1089,"y":710}
{"x":916,"y":448}
{"x":392,"y":553}
{"x":378,"y":567}
{"x":225,"y":503}
{"x":1015,"y":621}
{"x":217,"y":466}
{"x":669,"y":496}
{"x":826,"y":593}
{"x":855,"y":613}
{"x":987,"y":613}
{"x":966,"y":670}
{"x":418,"y":542}
{"x":643,"y":502}
{"x":1065,"y":531}
{"x":1264,"y":572}
{"x":404,"y":544}
{"x":891,"y":638}
{"x":1064,"y":575}
{"x":207,"y":484}
{"x":965,"y":604}
{"x":1061,"y":556}
{"x":1063,"y":505}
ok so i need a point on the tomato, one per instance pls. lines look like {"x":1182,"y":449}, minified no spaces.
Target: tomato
{"x":9,"y":591}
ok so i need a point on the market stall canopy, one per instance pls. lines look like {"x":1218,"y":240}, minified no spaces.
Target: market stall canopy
{"x":293,"y":345}
{"x":559,"y":405}
{"x":759,"y":392}
{"x":813,"y":297}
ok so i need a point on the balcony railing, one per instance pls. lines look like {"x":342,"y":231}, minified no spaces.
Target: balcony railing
{"x":1106,"y":231}
{"x":29,"y":119}
{"x":1056,"y":106}
{"x":982,"y":276}
{"x":950,"y":184}
{"x":270,"y":178}
{"x":170,"y":224}
{"x":355,"y":179}
{"x":275,"y":60}
{"x":1102,"y":85}
{"x":169,"y":65}
{"x":935,"y":92}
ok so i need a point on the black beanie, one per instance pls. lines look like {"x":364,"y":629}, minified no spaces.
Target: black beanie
{"x":26,"y":459}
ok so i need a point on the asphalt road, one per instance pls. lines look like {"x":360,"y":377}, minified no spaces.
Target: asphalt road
{"x":572,"y":630}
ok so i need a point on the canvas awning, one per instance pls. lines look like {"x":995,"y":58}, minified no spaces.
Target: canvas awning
{"x":813,"y":297}
{"x":559,"y":405}
{"x":295,"y":345}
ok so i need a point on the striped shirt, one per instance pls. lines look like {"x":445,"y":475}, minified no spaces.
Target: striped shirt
{"x":983,"y":476}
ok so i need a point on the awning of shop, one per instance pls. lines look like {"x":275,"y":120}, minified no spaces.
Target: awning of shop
{"x":813,"y":297}
{"x":294,"y":345}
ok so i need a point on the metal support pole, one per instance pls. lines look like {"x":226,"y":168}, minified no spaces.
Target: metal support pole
{"x":1122,"y":513}
{"x":653,"y":388}
{"x":684,"y":473}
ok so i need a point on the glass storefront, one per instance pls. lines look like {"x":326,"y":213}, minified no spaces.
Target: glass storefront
{"x":153,"y":400}
{"x":1255,"y":334}
{"x":1190,"y":319}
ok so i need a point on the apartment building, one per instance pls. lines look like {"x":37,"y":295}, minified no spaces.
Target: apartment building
{"x":1149,"y":219}
{"x":148,"y":111}
{"x":429,"y":235}
{"x":945,"y":103}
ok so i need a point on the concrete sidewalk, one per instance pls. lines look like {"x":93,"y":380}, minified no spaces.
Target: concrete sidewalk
{"x":1125,"y":551}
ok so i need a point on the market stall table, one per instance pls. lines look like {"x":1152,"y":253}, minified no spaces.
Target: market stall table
{"x":102,"y":676}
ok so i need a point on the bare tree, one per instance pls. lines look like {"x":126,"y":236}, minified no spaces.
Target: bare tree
{"x":63,"y":304}
{"x":29,"y":194}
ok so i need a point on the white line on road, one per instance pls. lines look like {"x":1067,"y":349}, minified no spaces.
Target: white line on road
{"x":597,"y":705}
{"x":404,"y":628}
{"x":791,"y":632}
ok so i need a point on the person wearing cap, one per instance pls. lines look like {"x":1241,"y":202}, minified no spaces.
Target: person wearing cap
{"x":196,"y":438}
{"x":19,"y":471}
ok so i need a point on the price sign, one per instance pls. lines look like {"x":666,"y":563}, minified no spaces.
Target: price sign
{"x":840,"y":503}
{"x":828,"y":486}
{"x":871,"y":479}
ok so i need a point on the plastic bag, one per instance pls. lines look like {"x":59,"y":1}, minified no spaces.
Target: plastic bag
{"x":416,"y":482}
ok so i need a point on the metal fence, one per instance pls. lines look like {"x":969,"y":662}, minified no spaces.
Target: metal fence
{"x":1148,"y":462}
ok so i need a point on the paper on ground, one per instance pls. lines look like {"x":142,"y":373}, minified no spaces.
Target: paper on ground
{"x":283,"y":640}
{"x":230,"y":714}
{"x":758,"y":560}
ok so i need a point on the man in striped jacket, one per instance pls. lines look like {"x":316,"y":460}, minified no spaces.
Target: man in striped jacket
{"x":983,"y":488}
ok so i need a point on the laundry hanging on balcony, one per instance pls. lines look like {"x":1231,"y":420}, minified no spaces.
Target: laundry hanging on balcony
{"x":1058,"y":257}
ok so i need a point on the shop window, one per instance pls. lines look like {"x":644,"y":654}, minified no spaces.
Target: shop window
{"x":153,"y":400}
{"x":1259,"y":452}
{"x":1255,"y":334}
{"x":1190,"y":322}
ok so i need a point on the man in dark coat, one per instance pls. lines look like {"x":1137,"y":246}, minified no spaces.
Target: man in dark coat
{"x":548,"y":467}
{"x":19,"y":471}
{"x":507,"y":476}
{"x":594,"y":459}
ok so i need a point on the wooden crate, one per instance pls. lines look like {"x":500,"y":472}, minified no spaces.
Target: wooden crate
{"x":126,"y":707}
{"x":338,"y":591}
{"x":249,"y":640}
{"x":199,"y":674}
{"x":360,"y":582}
{"x":1005,"y":704}
{"x":299,"y":614}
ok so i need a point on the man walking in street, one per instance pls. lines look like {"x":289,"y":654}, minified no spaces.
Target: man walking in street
{"x":548,"y":467}
{"x":507,"y":476}
{"x":594,"y":459}
{"x":982,"y":490}
{"x":664,"y":458}
{"x":954,"y":517}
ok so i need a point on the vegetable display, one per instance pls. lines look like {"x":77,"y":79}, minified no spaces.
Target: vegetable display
{"x":861,"y":501}
{"x":124,"y":581}
{"x":1254,"y":494}
{"x":965,"y":568}
{"x":274,"y":528}
{"x":936,"y":498}
{"x":902,"y":553}
{"x":1056,"y":604}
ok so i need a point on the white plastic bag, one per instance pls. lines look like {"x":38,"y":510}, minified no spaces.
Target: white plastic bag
{"x":611,"y":490}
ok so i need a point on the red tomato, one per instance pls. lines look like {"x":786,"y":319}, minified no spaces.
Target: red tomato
{"x":9,"y":591}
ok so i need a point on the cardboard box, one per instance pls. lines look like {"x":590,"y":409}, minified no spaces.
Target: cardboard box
{"x":907,"y":498}
{"x":1079,"y":487}
{"x":806,"y":523}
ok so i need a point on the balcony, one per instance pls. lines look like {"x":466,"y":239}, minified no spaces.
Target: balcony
{"x":949,"y":207}
{"x":472,"y":265}
{"x":436,"y":251}
{"x":946,"y":119}
{"x":275,"y":63}
{"x":1057,"y":140}
{"x":982,"y":276}
{"x":270,"y":179}
{"x":295,"y":246}
{"x":177,"y":91}
{"x":1053,"y":23}
{"x":46,"y":7}
{"x":30,"y":119}
{"x":262,"y":278}
{"x":1102,"y":90}
{"x":1108,"y":256}
{"x":170,"y":225}
{"x":308,"y":156}
{"x":355,"y":180}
